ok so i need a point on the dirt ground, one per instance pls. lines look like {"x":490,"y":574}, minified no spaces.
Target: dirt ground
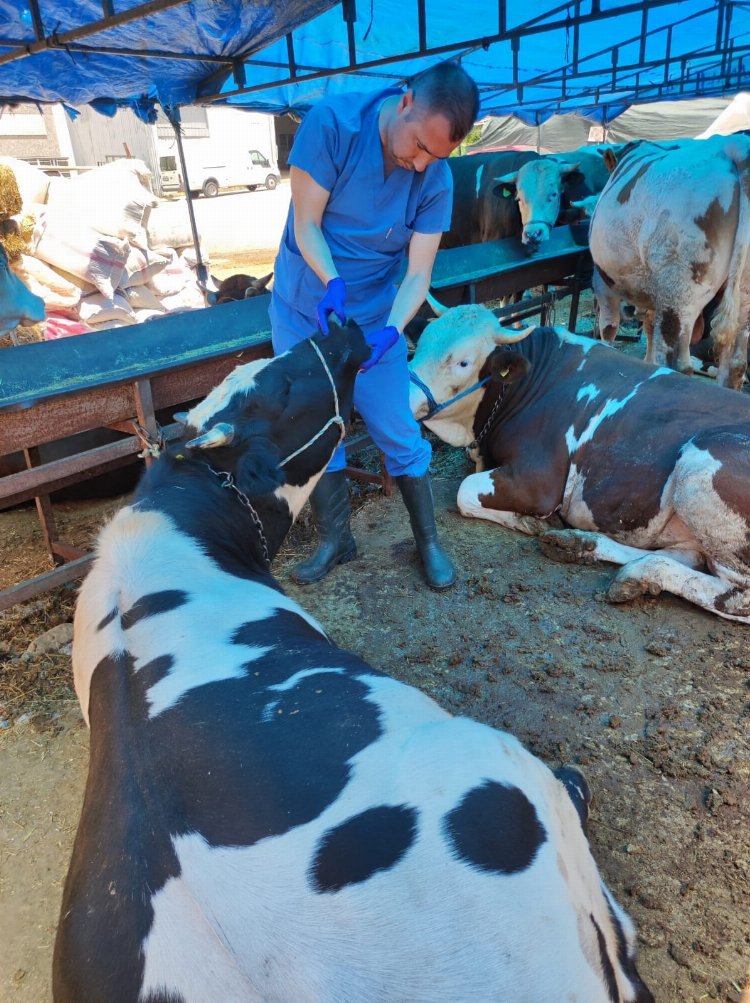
{"x":652,"y":699}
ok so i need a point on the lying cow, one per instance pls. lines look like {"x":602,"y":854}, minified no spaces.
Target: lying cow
{"x":267,"y":818}
{"x":18,"y":305}
{"x":669,"y":231}
{"x":649,"y":469}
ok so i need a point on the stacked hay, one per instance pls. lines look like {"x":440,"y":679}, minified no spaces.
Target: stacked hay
{"x":100,"y":249}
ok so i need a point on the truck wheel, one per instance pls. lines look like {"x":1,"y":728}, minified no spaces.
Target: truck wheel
{"x":271,"y":182}
{"x":210,"y":188}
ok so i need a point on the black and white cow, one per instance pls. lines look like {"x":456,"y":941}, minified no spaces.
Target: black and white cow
{"x":651,"y":470}
{"x":267,"y":818}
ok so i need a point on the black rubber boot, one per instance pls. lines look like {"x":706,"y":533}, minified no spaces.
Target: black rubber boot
{"x":336,"y":545}
{"x":439,"y":573}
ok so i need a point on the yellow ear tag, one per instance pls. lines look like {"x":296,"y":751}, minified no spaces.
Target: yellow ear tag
{"x":504,"y":372}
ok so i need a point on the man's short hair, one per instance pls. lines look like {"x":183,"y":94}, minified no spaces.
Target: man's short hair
{"x":447,"y":89}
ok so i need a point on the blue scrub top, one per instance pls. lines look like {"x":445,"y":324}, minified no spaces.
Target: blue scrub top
{"x":369,"y":219}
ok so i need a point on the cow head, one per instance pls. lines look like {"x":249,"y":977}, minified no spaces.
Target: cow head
{"x":238,"y":287}
{"x":18,"y":305}
{"x":456,"y":353}
{"x":274,"y":423}
{"x":538,"y":189}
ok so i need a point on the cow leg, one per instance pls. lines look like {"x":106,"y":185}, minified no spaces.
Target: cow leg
{"x":579,"y":546}
{"x":607,"y":308}
{"x":648,"y":330}
{"x":671,"y":339}
{"x":732,"y":361}
{"x":477,"y":487}
{"x":658,"y":572}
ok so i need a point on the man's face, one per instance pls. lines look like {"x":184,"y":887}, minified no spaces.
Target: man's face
{"x":415,"y":138}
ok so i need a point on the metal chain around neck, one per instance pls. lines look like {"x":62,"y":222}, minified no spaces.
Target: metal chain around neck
{"x":488,"y":424}
{"x":227,"y":481}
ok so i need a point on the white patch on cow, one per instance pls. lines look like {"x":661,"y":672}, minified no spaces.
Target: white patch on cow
{"x":478,"y":182}
{"x":470,"y":505}
{"x":611,"y":408}
{"x":240,"y":381}
{"x":295,"y":495}
{"x":144,"y":552}
{"x":588,"y":392}
{"x":292,"y":681}
{"x":247,"y":923}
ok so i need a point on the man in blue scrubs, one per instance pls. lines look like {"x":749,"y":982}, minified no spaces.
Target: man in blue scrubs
{"x":369,"y":184}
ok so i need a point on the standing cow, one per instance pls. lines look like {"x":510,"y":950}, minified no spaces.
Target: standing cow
{"x":670,"y":232}
{"x":478,"y":214}
{"x":267,"y":818}
{"x":650,"y":469}
{"x":546,"y":190}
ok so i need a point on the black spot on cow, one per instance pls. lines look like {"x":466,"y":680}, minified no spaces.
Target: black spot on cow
{"x":154,"y":671}
{"x":372,"y":841}
{"x":153,"y":605}
{"x":670,"y":328}
{"x":607,"y":968}
{"x":495,"y":828}
{"x":107,"y":619}
{"x":627,"y":961}
{"x":624,"y":193}
{"x":101,"y":881}
{"x":578,"y":790}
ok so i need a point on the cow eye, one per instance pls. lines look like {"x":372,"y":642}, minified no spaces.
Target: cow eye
{"x":464,"y":363}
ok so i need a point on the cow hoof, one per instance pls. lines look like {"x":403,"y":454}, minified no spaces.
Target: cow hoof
{"x":568,"y":546}
{"x":624,"y":588}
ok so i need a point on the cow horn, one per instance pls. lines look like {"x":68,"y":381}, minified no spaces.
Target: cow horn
{"x":508,"y":335}
{"x":220,"y":435}
{"x":437,"y":308}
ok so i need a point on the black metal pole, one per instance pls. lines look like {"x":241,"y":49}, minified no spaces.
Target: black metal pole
{"x":173,"y":114}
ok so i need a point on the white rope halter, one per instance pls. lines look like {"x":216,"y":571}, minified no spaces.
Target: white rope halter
{"x":336,"y":419}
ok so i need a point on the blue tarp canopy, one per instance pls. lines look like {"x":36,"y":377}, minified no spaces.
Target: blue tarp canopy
{"x":531,"y":58}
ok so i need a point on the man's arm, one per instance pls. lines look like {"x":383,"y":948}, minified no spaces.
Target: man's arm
{"x":413,"y":290}
{"x":310,"y":201}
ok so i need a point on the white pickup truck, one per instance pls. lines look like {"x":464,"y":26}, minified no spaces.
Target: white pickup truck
{"x":212,"y":177}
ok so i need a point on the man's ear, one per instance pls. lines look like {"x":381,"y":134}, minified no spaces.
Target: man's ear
{"x":508,"y":366}
{"x":258,"y":471}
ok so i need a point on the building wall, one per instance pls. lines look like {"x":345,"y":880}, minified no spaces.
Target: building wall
{"x":29,"y":132}
{"x":97,"y":139}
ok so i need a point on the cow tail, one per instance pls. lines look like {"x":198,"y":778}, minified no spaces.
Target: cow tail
{"x":726,"y":320}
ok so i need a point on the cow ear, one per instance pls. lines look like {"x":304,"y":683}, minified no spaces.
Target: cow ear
{"x":508,"y":366}
{"x":505,"y":186}
{"x":258,"y":470}
{"x":567,"y":166}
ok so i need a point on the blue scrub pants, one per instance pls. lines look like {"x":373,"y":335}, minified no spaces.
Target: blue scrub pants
{"x":381,"y":396}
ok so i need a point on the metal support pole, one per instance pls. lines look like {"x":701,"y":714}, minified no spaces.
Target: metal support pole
{"x":173,"y":114}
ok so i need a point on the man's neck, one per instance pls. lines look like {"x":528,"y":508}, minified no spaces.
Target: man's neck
{"x":387,"y":111}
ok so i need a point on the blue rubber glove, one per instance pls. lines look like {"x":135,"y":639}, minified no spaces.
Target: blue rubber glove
{"x":334,"y":300}
{"x":380,"y":341}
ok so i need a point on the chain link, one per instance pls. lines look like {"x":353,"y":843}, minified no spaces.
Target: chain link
{"x":228,"y":482}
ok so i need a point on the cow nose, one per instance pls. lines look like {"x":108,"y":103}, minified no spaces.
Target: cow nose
{"x":533,"y":235}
